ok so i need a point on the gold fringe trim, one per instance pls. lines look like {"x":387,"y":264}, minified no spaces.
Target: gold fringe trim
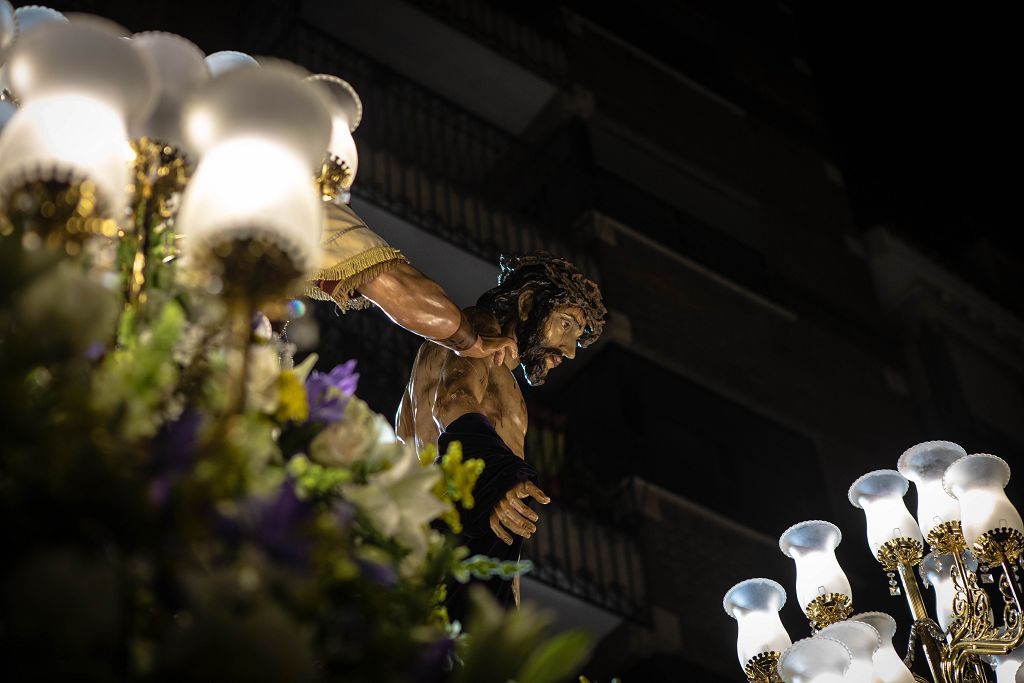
{"x":351,"y":274}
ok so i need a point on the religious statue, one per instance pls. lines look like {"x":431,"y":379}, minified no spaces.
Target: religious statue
{"x":549,"y":308}
{"x":360,"y":268}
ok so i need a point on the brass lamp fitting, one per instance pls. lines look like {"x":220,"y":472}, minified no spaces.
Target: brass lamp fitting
{"x":827,"y":609}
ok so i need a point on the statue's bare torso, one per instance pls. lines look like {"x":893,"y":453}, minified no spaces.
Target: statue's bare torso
{"x":443,"y":387}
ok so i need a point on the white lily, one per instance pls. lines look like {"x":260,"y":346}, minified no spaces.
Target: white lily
{"x":400,"y":503}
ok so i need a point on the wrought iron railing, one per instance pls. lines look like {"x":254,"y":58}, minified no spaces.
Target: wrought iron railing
{"x":429,"y":161}
{"x":596,"y":562}
{"x":502,"y":32}
{"x":582,"y":545}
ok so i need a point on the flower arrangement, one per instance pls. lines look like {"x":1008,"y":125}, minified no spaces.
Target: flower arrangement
{"x":153,"y":533}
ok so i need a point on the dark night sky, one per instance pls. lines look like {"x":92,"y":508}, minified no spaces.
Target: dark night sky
{"x":916,"y":98}
{"x":918,"y":104}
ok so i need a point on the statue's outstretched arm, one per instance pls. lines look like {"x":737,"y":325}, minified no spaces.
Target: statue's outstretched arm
{"x":358,"y":265}
{"x":417,"y":303}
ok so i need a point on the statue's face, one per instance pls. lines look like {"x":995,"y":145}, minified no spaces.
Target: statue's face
{"x":545,"y":343}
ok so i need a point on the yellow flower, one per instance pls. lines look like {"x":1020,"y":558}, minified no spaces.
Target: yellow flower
{"x":460,"y":476}
{"x":428,"y":455}
{"x":291,"y":396}
{"x":456,"y":483}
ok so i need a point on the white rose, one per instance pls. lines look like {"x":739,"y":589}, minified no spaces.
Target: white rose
{"x":349,"y":439}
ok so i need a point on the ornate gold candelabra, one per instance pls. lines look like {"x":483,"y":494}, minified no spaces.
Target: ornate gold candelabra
{"x":160,"y":173}
{"x":763,"y":668}
{"x":146,"y":140}
{"x":966,"y":515}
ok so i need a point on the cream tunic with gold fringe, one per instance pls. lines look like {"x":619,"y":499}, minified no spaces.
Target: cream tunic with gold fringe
{"x":352,"y":255}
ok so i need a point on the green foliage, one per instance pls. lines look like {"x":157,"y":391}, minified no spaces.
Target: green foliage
{"x":313,"y":480}
{"x":160,"y":535}
{"x":510,"y":646}
{"x":136,"y":381}
{"x":483,"y":567}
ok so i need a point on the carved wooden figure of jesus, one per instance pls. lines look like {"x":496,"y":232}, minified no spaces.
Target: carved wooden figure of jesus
{"x":550,"y":309}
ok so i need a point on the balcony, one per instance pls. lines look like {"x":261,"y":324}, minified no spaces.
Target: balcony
{"x":589,"y":560}
{"x":503,"y":33}
{"x":442,"y":58}
{"x":428,"y":161}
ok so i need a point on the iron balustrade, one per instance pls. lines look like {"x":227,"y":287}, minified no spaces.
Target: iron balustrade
{"x":430,"y":162}
{"x":596,"y":562}
{"x":503,"y":33}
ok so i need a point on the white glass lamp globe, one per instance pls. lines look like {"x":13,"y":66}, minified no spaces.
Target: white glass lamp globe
{"x":17,"y":22}
{"x":179,"y":70}
{"x":863,"y":641}
{"x":251,"y":187}
{"x":84,"y":58}
{"x":30,"y":16}
{"x":924,"y":464}
{"x":889,"y":665}
{"x":880,"y":495}
{"x":815,"y":660}
{"x":1009,"y":668}
{"x":79,"y":84}
{"x":812,"y":547}
{"x":271,"y":102}
{"x":977,"y":481}
{"x":226,"y":60}
{"x":7,"y":111}
{"x":935,"y":573}
{"x":346,"y":112}
{"x":755,"y":605}
{"x":8,"y":26}
{"x":68,"y":139}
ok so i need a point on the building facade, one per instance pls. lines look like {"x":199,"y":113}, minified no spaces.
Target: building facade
{"x":762,"y":350}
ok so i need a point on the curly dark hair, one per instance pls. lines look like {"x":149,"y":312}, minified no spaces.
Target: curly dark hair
{"x":554,"y":282}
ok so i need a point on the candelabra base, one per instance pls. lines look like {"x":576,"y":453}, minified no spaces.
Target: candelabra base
{"x":900,"y":551}
{"x":253,"y":268}
{"x":334,"y":179}
{"x":1003,"y":544}
{"x":58,"y":213}
{"x":763,"y":668}
{"x":828,"y":609}
{"x":947,"y":538}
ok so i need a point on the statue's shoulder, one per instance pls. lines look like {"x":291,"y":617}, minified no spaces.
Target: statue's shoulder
{"x":483,"y":320}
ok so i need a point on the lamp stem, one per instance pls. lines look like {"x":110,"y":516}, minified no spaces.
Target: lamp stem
{"x":241,"y":313}
{"x":918,"y":610}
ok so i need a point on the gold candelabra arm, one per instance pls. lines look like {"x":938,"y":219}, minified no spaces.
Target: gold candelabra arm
{"x":763,"y":668}
{"x":159,"y":175}
{"x":974,"y":633}
{"x":924,"y":630}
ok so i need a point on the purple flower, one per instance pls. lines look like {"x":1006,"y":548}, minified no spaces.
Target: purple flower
{"x":95,"y":351}
{"x":344,"y":512}
{"x":173,"y":454}
{"x":433,"y":661}
{"x":378,"y":573}
{"x":328,"y":394}
{"x":278,"y":526}
{"x":278,"y":529}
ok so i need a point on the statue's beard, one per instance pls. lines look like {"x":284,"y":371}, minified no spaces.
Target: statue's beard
{"x":533,"y":353}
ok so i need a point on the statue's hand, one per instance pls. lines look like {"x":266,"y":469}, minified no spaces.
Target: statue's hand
{"x":491,"y":346}
{"x":512,"y":514}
